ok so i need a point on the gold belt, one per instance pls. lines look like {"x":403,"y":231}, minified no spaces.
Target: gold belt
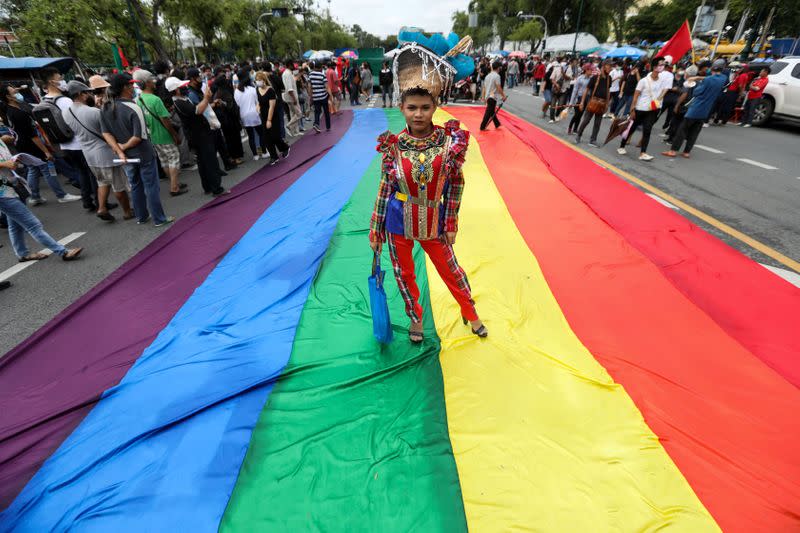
{"x":424,"y":202}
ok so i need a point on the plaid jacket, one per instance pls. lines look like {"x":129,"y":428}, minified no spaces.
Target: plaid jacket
{"x":445,"y":162}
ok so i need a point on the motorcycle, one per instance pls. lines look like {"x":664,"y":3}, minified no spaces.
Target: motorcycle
{"x":461,"y":91}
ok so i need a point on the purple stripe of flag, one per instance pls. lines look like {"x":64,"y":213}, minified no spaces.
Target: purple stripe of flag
{"x":51,"y":380}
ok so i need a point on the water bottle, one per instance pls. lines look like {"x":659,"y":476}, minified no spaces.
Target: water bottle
{"x":51,"y":168}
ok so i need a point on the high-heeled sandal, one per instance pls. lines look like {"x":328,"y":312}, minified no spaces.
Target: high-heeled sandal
{"x":481,"y":332}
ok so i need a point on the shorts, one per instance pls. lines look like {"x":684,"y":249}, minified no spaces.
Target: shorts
{"x":548,"y":95}
{"x":113,"y":176}
{"x":169,"y":155}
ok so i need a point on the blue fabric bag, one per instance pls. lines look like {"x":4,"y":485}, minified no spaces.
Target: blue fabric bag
{"x":381,"y":323}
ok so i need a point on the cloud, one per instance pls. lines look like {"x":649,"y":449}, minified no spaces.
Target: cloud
{"x":384,"y":18}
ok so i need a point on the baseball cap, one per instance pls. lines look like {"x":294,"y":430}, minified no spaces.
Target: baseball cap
{"x":97,"y":82}
{"x":142,"y":76}
{"x":74,"y":88}
{"x":174,"y":83}
{"x":119,"y":81}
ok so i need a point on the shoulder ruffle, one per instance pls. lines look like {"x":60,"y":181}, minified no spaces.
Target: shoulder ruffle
{"x":459,"y":144}
{"x":386,"y":141}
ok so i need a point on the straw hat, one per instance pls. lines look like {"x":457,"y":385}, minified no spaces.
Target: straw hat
{"x":416,"y":66}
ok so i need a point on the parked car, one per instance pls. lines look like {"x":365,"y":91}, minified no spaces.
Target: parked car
{"x":782,"y":95}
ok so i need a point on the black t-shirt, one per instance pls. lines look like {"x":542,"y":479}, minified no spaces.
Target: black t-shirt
{"x":630,"y":84}
{"x":277,"y":83}
{"x":195,"y":126}
{"x":22,"y":123}
{"x":603,"y":86}
{"x":263,"y":106}
{"x":548,"y":83}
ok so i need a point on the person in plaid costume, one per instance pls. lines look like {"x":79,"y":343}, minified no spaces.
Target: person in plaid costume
{"x":418,"y":200}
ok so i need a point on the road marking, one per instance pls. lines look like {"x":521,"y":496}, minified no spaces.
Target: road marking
{"x":662,"y":201}
{"x":708,"y":219}
{"x":709,"y":149}
{"x":456,"y":104}
{"x":19,"y":267}
{"x":791,"y":277}
{"x":756,"y":163}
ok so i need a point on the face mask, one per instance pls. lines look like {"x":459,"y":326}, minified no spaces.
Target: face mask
{"x":62,"y":85}
{"x":259,"y":83}
{"x":136,"y":91}
{"x":18,"y":97}
{"x":659,"y":68}
{"x":681,"y":73}
{"x":252,"y":76}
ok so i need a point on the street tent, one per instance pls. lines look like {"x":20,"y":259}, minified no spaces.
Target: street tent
{"x":625,"y":51}
{"x":12,"y":68}
{"x":566,"y":42}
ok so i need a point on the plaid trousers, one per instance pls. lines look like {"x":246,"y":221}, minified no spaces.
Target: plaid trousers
{"x":444,"y":259}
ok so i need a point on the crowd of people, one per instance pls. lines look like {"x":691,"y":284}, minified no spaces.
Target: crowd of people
{"x":580,"y":91}
{"x":125,"y":132}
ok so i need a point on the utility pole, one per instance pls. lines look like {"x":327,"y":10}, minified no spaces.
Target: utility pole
{"x":578,"y":28}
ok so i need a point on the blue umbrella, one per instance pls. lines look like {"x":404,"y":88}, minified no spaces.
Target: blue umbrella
{"x":307,"y":54}
{"x":381,"y":323}
{"x":625,"y":51}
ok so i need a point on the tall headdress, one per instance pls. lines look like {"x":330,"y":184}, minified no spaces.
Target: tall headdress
{"x":430,"y":63}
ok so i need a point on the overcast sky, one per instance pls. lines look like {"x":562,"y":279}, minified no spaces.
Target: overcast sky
{"x":382,"y":18}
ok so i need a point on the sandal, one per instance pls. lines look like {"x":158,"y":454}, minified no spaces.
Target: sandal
{"x":415,"y":336}
{"x":178,"y":192}
{"x":481,"y":332}
{"x":33,"y":257}
{"x":72,"y":254}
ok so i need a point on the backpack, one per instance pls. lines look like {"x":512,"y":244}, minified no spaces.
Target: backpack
{"x":48,"y":116}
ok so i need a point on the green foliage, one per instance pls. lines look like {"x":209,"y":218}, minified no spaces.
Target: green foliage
{"x":531,"y":30}
{"x":659,"y":20}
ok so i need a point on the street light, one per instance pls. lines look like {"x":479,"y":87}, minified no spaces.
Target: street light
{"x":258,"y":29}
{"x":525,"y":16}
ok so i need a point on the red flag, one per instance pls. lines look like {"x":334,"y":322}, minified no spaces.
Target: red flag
{"x":125,"y":59}
{"x":679,"y":44}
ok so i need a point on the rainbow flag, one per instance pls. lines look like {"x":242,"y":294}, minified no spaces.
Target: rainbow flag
{"x":639,"y":373}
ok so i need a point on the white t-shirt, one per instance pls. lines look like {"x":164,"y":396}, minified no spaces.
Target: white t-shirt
{"x":666,"y":79}
{"x":649,"y":90}
{"x":289,"y":84}
{"x":64,"y":103}
{"x":616,"y":76}
{"x":247,"y":101}
{"x":492,"y":83}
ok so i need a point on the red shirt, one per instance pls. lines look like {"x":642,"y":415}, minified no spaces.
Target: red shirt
{"x":333,"y":82}
{"x":539,"y":72}
{"x":757,"y":88}
{"x":739,"y":82}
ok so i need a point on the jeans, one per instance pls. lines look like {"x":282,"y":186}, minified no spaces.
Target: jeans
{"x":623,"y":105}
{"x":145,"y":190}
{"x":33,"y":181}
{"x":353,"y":88}
{"x":489,"y":114}
{"x":689,"y":130}
{"x":22,"y":220}
{"x":386,"y":92}
{"x":254,"y":138}
{"x":749,"y":108}
{"x":646,"y":119}
{"x":85,"y":177}
{"x":512,"y":80}
{"x":321,"y":106}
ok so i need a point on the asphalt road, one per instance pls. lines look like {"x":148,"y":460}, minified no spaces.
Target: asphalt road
{"x":763,"y":203}
{"x":45,"y":288}
{"x":747,"y":178}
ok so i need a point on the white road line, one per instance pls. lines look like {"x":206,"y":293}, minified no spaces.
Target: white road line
{"x":19,"y":267}
{"x":788,"y":275}
{"x":662,"y":201}
{"x":756,"y":163}
{"x":709,"y":149}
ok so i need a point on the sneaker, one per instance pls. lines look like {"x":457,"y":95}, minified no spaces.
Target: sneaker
{"x":593,"y":144}
{"x":273,"y":162}
{"x":36,"y":201}
{"x":223,"y":192}
{"x":746,"y":126}
{"x":256,"y":157}
{"x":189,"y":167}
{"x":550,"y":121}
{"x":662,"y":134}
{"x":622,"y":151}
{"x":705,"y":125}
{"x":168,"y":220}
{"x":645,"y":157}
{"x":316,"y":128}
{"x":577,"y":139}
{"x":145,"y":221}
{"x":67,"y":198}
{"x":285,"y":154}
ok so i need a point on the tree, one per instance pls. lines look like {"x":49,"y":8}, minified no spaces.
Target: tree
{"x":530,"y":30}
{"x":619,"y":11}
{"x":365,"y":39}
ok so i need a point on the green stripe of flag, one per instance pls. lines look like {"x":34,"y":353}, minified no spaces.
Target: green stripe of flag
{"x":354,"y":436}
